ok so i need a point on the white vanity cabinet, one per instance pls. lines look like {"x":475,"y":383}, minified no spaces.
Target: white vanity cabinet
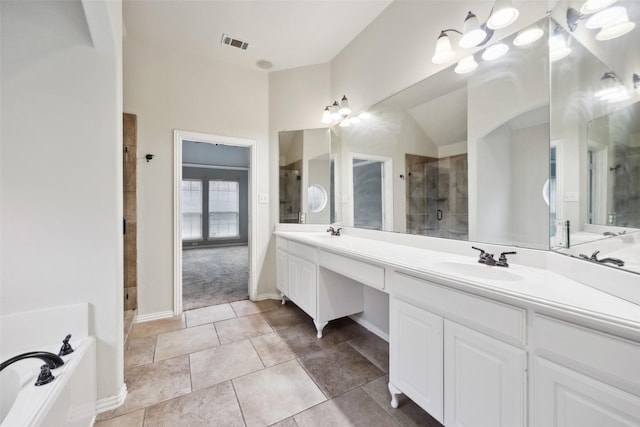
{"x":461,"y":376}
{"x":297,"y":274}
{"x":582,"y":377}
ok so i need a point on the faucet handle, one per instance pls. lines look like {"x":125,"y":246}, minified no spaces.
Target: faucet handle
{"x":594,"y":256}
{"x":66,"y":347}
{"x":45,"y":376}
{"x":502,"y":261}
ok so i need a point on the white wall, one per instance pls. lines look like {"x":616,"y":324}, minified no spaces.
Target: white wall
{"x":61,"y":168}
{"x":169,"y":90}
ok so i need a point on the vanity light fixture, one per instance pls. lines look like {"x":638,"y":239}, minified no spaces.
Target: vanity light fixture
{"x":636,"y":83}
{"x":466,"y":65}
{"x":336,"y":112}
{"x":495,"y":51}
{"x":528,"y":36}
{"x":475,"y":34}
{"x":612,"y":21}
{"x":612,"y":89}
{"x":558,"y":48}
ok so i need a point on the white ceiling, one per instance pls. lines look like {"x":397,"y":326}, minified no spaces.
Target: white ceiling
{"x":287,"y":33}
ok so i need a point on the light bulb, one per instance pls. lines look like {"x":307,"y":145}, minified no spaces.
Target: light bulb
{"x":466,"y":65}
{"x":444,"y":52}
{"x":335,"y":111}
{"x":503,"y":17}
{"x":604,"y":17}
{"x":345,"y":109}
{"x":528,"y":36}
{"x":592,"y":6}
{"x":619,"y":27}
{"x":495,"y":51}
{"x":326,"y":116}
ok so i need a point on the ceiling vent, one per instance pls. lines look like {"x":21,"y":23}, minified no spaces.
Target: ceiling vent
{"x":228,"y":40}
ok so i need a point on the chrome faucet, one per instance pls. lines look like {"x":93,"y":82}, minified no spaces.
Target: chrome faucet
{"x":609,"y":233}
{"x":502,"y":261}
{"x":484,"y":257}
{"x":334,"y":231}
{"x":594,"y":257}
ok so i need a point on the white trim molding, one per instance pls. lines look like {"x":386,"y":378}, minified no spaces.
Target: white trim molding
{"x":178,"y":137}
{"x":112,"y":402}
{"x":141,"y":318}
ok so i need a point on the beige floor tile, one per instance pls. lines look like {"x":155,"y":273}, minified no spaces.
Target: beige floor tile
{"x":286,"y":316}
{"x":287,"y":344}
{"x":373,"y":348}
{"x":215,"y":405}
{"x":283,"y":390}
{"x":408,"y":414}
{"x":241,"y":328}
{"x":160,"y":326}
{"x":185,"y":341}
{"x":289,"y":422}
{"x":155,"y":382}
{"x":215,"y":313}
{"x":339,"y":369}
{"x":247,"y":307}
{"x":354,"y":408}
{"x":218,"y":364}
{"x":140,"y":351}
{"x":132,"y":419}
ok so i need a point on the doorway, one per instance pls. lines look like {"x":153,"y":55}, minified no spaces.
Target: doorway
{"x":371,"y":188}
{"x":214,"y":258}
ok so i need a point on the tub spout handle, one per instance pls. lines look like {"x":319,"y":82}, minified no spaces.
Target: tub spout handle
{"x":45,"y":376}
{"x":66,"y":347}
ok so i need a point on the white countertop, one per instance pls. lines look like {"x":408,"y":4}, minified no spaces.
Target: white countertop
{"x":528,"y":284}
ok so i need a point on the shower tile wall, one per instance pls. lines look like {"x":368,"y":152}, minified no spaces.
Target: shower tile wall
{"x":290,"y":191}
{"x":437,"y":190}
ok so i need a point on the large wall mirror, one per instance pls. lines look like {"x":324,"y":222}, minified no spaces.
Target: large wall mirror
{"x":502,"y":154}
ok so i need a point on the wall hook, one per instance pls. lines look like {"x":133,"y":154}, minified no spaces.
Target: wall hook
{"x":149,"y":157}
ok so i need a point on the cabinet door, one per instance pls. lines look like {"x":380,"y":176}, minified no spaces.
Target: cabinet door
{"x":484,"y":380}
{"x":565,"y":398}
{"x":281,"y":271}
{"x":416,"y":355}
{"x":302,"y":284}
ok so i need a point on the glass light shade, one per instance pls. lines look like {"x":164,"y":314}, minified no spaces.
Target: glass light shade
{"x":558,"y":48}
{"x":345,"y":123}
{"x":604,"y":17}
{"x":615,"y":29}
{"x":528,"y":36}
{"x":472,"y":35}
{"x":502,"y":18}
{"x":466,"y":65}
{"x":365,"y":115}
{"x":495,"y":51}
{"x":610,"y":87}
{"x":335,"y":111}
{"x":593,"y":6}
{"x":444,"y":52}
{"x":345,"y":109}
{"x":326,"y":116}
{"x":619,"y":96}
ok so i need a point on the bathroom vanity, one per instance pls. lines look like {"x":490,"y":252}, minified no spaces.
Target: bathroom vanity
{"x":475,"y":345}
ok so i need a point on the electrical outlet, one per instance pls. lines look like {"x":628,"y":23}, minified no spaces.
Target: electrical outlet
{"x":263,"y":198}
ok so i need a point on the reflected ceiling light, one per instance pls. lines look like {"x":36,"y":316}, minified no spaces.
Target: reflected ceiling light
{"x":365,"y":115}
{"x":612,"y":89}
{"x":605,"y":17}
{"x":444,"y":52}
{"x":528,"y":36}
{"x":466,"y":65}
{"x":617,"y":28}
{"x":473,"y":35}
{"x":558,"y":48}
{"x":495,"y":51}
{"x":593,"y":6}
{"x":503,"y":15}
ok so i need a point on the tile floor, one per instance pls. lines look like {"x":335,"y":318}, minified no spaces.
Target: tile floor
{"x":257,"y":364}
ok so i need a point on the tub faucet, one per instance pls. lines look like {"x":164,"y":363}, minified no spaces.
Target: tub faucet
{"x":53,"y":361}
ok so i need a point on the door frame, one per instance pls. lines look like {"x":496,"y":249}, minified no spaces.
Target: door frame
{"x":178,"y":137}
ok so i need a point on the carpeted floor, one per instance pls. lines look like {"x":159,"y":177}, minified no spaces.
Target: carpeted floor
{"x":212,"y":276}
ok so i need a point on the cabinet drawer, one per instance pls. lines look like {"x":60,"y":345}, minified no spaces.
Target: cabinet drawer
{"x":363,"y":272}
{"x":607,"y":357}
{"x":302,"y":251}
{"x":495,"y":318}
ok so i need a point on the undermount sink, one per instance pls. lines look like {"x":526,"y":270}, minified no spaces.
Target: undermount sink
{"x":479,"y":271}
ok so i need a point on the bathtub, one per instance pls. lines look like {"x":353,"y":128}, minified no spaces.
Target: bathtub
{"x":69,"y":400}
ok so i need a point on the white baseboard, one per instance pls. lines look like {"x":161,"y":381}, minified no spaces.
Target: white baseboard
{"x":111,"y":402}
{"x":272,"y":295}
{"x":153,"y":316}
{"x":371,"y":327}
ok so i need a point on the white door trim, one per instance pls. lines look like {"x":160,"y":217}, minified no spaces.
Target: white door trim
{"x":178,"y":137}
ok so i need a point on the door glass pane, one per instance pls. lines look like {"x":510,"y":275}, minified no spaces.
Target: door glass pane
{"x":368,"y":203}
{"x":191,"y":209}
{"x":224,"y":209}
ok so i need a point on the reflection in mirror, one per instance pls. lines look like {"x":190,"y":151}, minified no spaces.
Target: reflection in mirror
{"x":306,"y":163}
{"x":595,"y":162}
